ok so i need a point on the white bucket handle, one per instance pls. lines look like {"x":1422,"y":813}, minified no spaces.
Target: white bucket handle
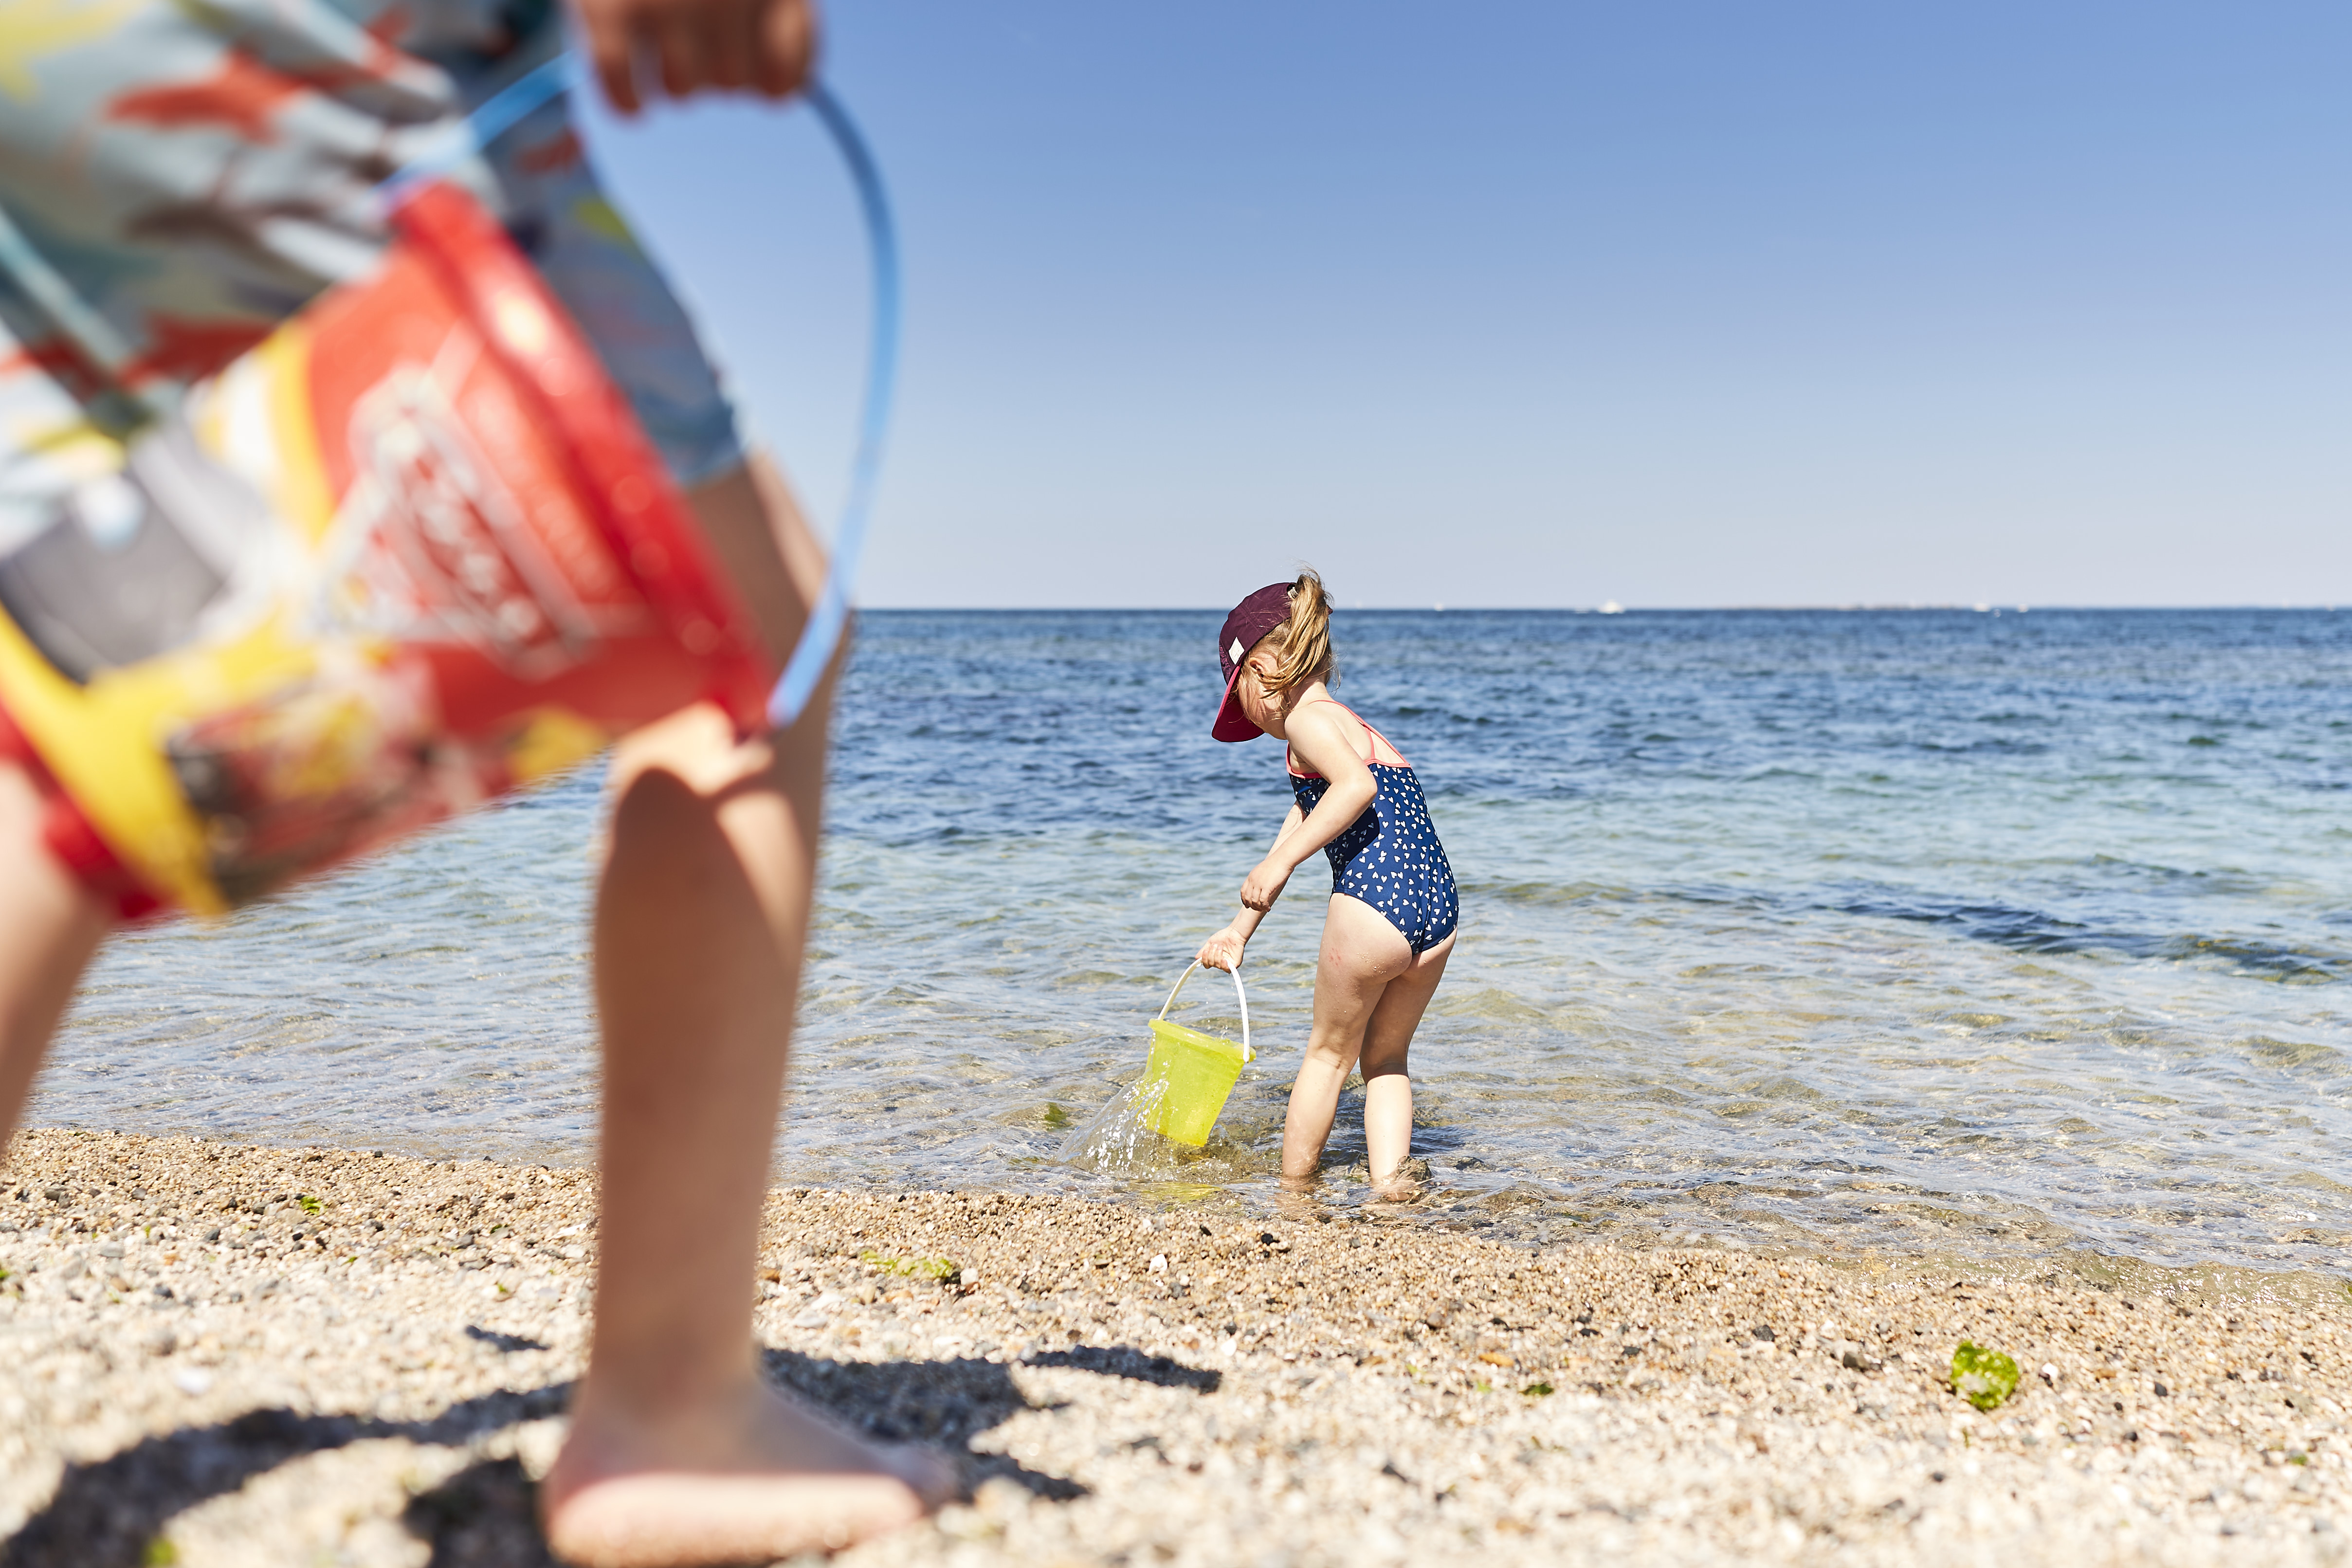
{"x":1247,"y":1054}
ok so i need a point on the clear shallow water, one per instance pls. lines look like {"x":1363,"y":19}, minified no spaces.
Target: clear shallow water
{"x":1930,"y":931}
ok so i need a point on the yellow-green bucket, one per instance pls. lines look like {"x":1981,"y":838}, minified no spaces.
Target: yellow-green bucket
{"x":1188,"y":1074}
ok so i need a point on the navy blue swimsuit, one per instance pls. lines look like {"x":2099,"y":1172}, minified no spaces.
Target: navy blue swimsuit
{"x":1389,"y":857}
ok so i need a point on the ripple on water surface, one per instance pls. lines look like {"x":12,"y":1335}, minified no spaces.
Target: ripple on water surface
{"x":1938,"y":931}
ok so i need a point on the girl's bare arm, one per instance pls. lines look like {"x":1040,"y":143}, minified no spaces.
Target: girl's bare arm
{"x":1322,"y":739}
{"x":1224,"y":950}
{"x":1323,"y":742}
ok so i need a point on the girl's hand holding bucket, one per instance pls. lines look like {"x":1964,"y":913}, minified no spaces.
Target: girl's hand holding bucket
{"x":1223,"y":950}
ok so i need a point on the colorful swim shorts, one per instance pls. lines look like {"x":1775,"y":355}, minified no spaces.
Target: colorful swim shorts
{"x":198,"y":172}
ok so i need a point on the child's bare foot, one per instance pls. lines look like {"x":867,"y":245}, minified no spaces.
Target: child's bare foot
{"x":746,"y":1476}
{"x":1295,"y":1197}
{"x":1404,"y":1184}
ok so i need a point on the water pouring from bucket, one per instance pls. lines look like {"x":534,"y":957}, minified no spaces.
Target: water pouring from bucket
{"x":1188,"y":1074}
{"x":1187,"y":1079}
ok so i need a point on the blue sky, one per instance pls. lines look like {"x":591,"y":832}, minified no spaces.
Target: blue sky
{"x":1673,"y":304}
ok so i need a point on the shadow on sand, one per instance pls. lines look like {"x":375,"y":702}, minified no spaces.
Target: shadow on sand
{"x":110,"y":1512}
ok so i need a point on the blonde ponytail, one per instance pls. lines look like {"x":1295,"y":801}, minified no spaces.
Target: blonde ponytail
{"x":1302,"y":644}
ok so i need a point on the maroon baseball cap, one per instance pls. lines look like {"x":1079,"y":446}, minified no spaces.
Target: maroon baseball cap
{"x":1252,"y":619}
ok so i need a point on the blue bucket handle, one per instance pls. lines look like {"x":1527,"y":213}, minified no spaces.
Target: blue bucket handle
{"x":829,"y":615}
{"x":1247,"y":1054}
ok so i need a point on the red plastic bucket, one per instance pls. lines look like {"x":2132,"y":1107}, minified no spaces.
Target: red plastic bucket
{"x":425,"y":556}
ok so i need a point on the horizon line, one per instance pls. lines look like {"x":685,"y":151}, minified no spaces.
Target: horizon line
{"x":1611,"y":607}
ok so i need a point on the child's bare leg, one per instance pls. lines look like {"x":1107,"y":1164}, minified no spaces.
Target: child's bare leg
{"x":49,"y":928}
{"x":679,"y":1451}
{"x":1387,"y":1085}
{"x":1362,"y":952}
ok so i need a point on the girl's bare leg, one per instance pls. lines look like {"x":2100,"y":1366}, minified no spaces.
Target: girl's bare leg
{"x":1387,"y":1085}
{"x":679,"y":1452}
{"x":1362,"y":953}
{"x":49,"y":928}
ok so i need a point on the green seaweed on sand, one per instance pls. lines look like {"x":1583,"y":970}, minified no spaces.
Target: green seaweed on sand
{"x":913,"y":1267}
{"x":1982,"y":1377}
{"x":1055,"y":1117}
{"x":1536,"y":1390}
{"x":310,"y":1204}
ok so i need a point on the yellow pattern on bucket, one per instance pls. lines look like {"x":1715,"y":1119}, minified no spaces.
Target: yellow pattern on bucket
{"x":1188,"y":1074}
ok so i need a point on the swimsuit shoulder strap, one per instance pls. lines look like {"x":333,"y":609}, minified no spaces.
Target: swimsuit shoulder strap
{"x":1379,"y":739}
{"x":1384,"y":741}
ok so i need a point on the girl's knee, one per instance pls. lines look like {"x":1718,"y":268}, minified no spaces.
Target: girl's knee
{"x":697,"y":745}
{"x":1331,"y":1054}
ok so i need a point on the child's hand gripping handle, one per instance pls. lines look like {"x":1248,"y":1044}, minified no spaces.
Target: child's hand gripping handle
{"x":1247,"y":1054}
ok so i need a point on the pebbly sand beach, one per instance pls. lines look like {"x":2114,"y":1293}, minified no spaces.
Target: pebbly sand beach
{"x":219,"y":1354}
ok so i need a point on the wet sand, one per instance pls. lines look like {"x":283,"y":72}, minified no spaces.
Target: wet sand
{"x":211,"y":1354}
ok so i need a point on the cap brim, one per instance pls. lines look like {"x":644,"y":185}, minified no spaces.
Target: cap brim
{"x":1232,"y":724}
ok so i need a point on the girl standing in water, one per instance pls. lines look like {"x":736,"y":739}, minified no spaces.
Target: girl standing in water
{"x":1391,"y":924}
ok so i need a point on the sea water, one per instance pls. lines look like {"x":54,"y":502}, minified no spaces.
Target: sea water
{"x":1987,"y":932}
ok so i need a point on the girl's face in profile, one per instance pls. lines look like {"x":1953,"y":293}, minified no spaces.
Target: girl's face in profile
{"x":1259,"y":706}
